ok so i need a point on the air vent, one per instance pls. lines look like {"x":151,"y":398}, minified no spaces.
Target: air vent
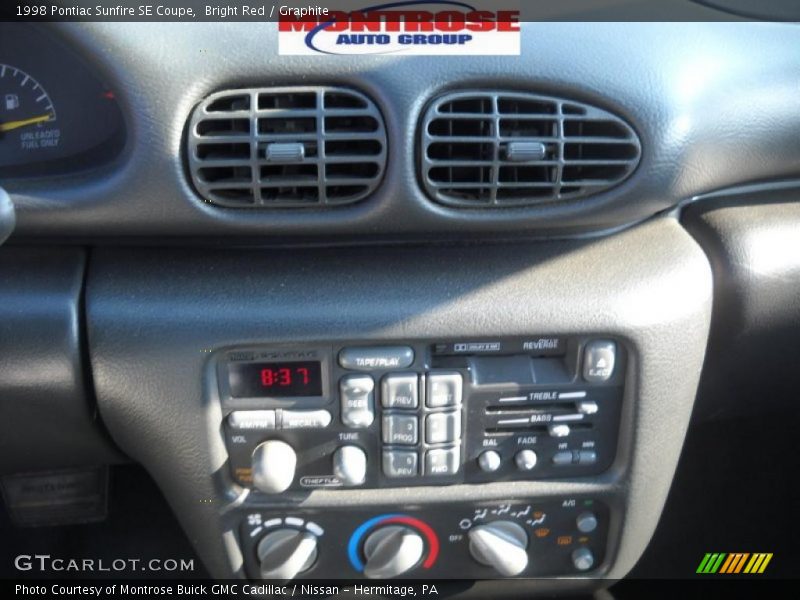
{"x":286,"y":147}
{"x":484,"y":149}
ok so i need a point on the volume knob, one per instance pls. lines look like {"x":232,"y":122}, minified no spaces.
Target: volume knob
{"x":500,"y":544}
{"x":274,"y":462}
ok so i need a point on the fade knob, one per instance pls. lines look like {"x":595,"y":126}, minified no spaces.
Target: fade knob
{"x":391,"y":551}
{"x":274,"y":462}
{"x":500,"y":544}
{"x":285,"y":553}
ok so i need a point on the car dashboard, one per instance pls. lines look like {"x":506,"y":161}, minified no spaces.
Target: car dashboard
{"x":390,"y":316}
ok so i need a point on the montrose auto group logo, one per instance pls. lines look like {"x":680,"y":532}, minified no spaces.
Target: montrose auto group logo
{"x":401,"y":28}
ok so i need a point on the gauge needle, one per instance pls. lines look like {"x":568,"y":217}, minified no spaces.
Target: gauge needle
{"x":23,"y":123}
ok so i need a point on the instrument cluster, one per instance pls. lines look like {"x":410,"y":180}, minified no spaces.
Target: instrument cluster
{"x":57,"y":115}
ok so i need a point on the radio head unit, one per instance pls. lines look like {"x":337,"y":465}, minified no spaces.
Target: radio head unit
{"x":421,"y":412}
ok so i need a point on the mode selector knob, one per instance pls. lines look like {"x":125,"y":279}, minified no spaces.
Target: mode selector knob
{"x":274,"y":462}
{"x":285,"y":553}
{"x":391,"y":551}
{"x":500,"y":544}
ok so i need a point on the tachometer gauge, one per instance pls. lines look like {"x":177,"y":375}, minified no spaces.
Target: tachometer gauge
{"x":28,"y":118}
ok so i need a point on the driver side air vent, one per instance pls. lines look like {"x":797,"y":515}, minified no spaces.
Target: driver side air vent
{"x":286,"y":147}
{"x":487,"y":149}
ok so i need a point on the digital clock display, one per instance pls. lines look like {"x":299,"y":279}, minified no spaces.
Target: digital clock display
{"x":275,"y":379}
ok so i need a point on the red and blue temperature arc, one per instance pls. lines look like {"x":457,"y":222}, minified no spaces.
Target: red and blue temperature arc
{"x":393,"y":519}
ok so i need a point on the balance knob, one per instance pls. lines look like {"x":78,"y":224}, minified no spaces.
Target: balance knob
{"x":274,"y":462}
{"x":284,"y":553}
{"x":391,"y":551}
{"x":500,"y":544}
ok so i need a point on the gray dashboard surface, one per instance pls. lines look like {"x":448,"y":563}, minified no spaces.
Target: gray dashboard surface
{"x":47,"y":415}
{"x":751,"y":239}
{"x":156,"y":317}
{"x":714,"y":105}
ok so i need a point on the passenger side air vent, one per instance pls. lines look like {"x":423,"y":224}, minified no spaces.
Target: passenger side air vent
{"x":286,"y":147}
{"x":485,"y":149}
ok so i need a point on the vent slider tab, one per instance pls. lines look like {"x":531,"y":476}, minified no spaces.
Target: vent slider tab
{"x":278,"y":152}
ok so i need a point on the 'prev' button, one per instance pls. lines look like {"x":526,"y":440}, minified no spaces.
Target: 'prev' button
{"x":378,"y":357}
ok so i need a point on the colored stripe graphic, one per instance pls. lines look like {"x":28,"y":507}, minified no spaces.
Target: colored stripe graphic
{"x":740,"y":563}
{"x":703,"y":563}
{"x":711,"y":562}
{"x":758,"y":563}
{"x":728,"y":562}
{"x":734,"y":563}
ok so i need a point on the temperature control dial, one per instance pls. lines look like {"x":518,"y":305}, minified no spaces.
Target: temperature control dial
{"x":391,"y":551}
{"x":500,"y":544}
{"x":285,"y":553}
{"x":393,"y":544}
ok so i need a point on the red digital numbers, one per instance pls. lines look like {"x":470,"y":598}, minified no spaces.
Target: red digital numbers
{"x":284,"y":376}
{"x":267,"y":378}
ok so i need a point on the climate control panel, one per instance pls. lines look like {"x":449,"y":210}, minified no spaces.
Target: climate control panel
{"x":421,"y":413}
{"x":518,"y":538}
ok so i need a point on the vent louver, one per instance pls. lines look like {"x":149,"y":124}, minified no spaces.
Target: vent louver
{"x":485,"y":149}
{"x":286,"y":147}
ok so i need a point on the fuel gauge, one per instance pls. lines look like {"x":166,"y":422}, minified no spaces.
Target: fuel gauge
{"x":28,"y":120}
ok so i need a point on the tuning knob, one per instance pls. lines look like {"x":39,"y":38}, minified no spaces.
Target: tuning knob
{"x":284,"y":553}
{"x":500,"y":544}
{"x":350,"y":465}
{"x":391,"y":551}
{"x":274,"y":462}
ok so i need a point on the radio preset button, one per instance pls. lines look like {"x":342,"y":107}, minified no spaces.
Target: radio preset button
{"x":304,"y":419}
{"x":444,"y":388}
{"x":442,"y":461}
{"x":252,"y":419}
{"x":379,"y":357}
{"x":443,"y":427}
{"x":357,"y":402}
{"x":400,"y":390}
{"x":399,"y":463}
{"x":489,"y":461}
{"x":399,"y":429}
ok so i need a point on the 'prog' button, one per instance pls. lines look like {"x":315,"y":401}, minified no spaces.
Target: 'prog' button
{"x":383,"y":357}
